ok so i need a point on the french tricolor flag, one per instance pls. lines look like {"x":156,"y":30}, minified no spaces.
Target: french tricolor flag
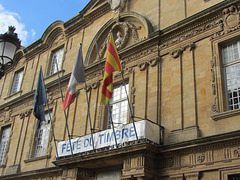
{"x":77,"y":76}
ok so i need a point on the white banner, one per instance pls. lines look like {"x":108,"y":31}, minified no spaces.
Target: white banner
{"x":125,"y":133}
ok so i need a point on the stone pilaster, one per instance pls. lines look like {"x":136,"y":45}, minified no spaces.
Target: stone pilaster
{"x":77,"y":174}
{"x":192,"y":176}
{"x":177,"y":177}
{"x":138,"y":167}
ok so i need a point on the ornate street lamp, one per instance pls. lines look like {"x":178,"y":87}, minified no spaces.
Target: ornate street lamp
{"x":9,"y":43}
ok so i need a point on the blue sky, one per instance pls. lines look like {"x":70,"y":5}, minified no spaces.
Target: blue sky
{"x":31,"y":18}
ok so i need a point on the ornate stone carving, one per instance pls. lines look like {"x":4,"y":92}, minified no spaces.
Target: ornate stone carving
{"x":192,"y":33}
{"x":128,"y":70}
{"x":134,"y":31}
{"x":127,"y":26}
{"x":25,"y":114}
{"x":21,"y":115}
{"x":93,"y":75}
{"x":143,"y":66}
{"x":215,"y":106}
{"x":119,"y":40}
{"x":7,"y":115}
{"x":176,"y":53}
{"x":154,"y":62}
{"x":192,"y":46}
{"x":169,"y":162}
{"x":22,"y":106}
{"x":117,"y":5}
{"x":200,"y":157}
{"x":95,"y":85}
{"x":231,"y":17}
{"x":213,"y":80}
{"x":213,"y":76}
{"x":142,"y":54}
{"x":230,"y":21}
{"x":236,"y":152}
{"x":122,"y":31}
{"x":133,"y":96}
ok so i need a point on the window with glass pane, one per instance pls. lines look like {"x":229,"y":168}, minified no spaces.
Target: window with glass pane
{"x":231,"y":68}
{"x":234,"y":177}
{"x":42,"y":136}
{"x":17,"y":81}
{"x":57,"y":57}
{"x":119,"y":106}
{"x":3,"y":143}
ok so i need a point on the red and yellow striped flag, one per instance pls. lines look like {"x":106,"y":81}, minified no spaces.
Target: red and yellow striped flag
{"x":112,"y":64}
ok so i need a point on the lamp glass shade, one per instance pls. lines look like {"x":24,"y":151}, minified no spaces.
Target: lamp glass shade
{"x":1,"y":49}
{"x":7,"y":52}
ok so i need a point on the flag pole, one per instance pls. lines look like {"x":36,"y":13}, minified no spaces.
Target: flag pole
{"x":50,"y":119}
{"x":60,"y":86}
{"x":130,"y":109}
{"x":52,"y":130}
{"x":89,"y":115}
{"x":109,"y":108}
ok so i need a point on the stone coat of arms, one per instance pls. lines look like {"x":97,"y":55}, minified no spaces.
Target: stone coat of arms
{"x":117,"y":5}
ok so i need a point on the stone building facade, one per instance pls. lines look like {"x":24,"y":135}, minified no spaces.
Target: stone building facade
{"x":180,"y":59}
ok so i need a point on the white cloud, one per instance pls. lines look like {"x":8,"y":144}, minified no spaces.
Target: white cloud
{"x":9,"y":18}
{"x":33,"y":33}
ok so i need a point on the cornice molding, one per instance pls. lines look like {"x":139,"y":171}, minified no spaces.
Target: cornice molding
{"x":205,"y":143}
{"x":44,"y":171}
{"x":209,"y":21}
{"x":85,"y":158}
{"x":197,"y":19}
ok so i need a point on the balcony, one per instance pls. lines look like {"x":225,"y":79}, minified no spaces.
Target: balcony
{"x":147,"y":132}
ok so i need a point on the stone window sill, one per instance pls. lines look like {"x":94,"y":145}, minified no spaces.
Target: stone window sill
{"x":55,"y":74}
{"x":3,"y":166}
{"x":37,"y":158}
{"x":226,"y":114}
{"x":11,"y":95}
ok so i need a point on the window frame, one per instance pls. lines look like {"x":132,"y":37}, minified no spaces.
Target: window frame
{"x":19,"y":84}
{"x":52,"y":66}
{"x":3,"y":161}
{"x":225,"y":65}
{"x":36,"y":137}
{"x":231,"y":178}
{"x":226,"y":172}
{"x":218,"y":105}
{"x":118,"y":101}
{"x":30,"y":154}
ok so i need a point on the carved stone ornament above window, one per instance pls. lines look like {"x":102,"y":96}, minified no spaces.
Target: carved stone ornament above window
{"x":117,"y":5}
{"x":231,"y":17}
{"x":128,"y":29}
